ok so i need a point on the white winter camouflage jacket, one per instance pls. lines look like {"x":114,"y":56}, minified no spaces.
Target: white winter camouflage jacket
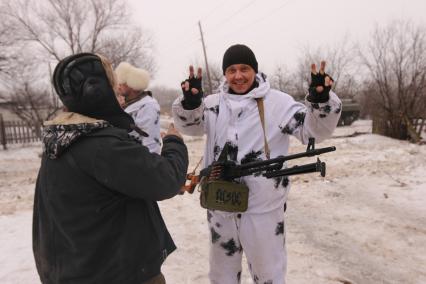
{"x":227,"y":117}
{"x":146,"y":114}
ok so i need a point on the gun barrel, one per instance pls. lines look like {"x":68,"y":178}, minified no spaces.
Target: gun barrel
{"x":256,"y":164}
{"x":254,"y":170}
{"x":282,"y":159}
{"x":296,"y":170}
{"x":268,"y":168}
{"x":310,"y":153}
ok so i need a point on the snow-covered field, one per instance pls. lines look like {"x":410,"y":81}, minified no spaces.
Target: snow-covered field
{"x":365,"y":222}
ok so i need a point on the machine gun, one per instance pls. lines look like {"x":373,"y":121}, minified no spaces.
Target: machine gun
{"x":225,"y":169}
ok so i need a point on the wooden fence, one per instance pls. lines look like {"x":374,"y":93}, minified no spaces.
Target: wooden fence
{"x":16,"y":132}
{"x":419,"y":125}
{"x":415,"y":129}
{"x":408,"y":128}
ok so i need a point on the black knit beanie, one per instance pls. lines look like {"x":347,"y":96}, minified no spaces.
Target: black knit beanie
{"x":239,"y":54}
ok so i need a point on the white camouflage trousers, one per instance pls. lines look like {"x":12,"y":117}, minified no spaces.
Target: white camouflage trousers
{"x":260,"y":236}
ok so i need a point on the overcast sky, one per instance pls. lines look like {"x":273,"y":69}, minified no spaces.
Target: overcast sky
{"x":274,"y":29}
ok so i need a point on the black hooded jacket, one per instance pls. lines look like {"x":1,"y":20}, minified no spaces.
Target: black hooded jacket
{"x":96,"y":219}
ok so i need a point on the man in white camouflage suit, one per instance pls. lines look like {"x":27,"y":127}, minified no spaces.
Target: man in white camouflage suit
{"x":232,"y":116}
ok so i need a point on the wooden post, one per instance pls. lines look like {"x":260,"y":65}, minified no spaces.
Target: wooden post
{"x":415,"y":137}
{"x":2,"y":132}
{"x":27,"y":132}
{"x":20,"y":132}
{"x":422,"y":123}
{"x":205,"y":59}
{"x":38,"y":132}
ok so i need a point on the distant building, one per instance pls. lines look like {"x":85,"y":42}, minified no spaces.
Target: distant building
{"x":5,"y":110}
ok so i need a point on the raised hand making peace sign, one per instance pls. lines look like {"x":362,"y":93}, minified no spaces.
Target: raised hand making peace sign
{"x":320,"y":86}
{"x":192,"y":89}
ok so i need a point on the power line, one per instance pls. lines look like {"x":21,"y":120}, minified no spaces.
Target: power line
{"x":273,"y":12}
{"x":195,"y":23}
{"x":258,"y":20}
{"x":213,"y":10}
{"x":240,"y":10}
{"x":188,"y":44}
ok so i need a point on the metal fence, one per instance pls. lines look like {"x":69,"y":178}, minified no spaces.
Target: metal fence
{"x":16,"y":132}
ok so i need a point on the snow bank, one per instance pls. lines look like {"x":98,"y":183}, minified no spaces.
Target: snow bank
{"x":363,"y":223}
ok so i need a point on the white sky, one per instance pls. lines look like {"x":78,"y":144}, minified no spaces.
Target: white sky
{"x":274,"y":29}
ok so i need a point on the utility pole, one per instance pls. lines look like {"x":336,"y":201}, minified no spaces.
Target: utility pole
{"x":205,"y":59}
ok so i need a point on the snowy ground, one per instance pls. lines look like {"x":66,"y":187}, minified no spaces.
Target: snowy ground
{"x":365,"y":222}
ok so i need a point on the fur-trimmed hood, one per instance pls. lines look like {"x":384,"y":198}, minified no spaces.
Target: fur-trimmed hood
{"x":65,"y":129}
{"x":84,"y":83}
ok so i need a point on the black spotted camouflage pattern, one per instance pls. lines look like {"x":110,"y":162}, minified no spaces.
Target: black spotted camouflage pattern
{"x":295,"y":122}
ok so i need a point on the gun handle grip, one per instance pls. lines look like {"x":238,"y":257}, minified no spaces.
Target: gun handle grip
{"x":323,"y":169}
{"x":194,"y":180}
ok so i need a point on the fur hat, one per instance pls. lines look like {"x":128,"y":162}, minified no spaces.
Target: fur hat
{"x":239,"y":54}
{"x":135,"y":78}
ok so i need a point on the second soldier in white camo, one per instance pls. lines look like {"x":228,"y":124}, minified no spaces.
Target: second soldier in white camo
{"x":139,"y":103}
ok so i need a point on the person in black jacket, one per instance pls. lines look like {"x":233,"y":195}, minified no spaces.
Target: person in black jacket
{"x":96,"y":219}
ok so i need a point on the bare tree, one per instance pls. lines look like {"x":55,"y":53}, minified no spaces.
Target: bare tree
{"x":32,"y":102}
{"x":48,"y":30}
{"x":63,"y":27}
{"x":340,"y":65}
{"x":7,"y":40}
{"x":395,"y":60}
{"x":340,"y":59}
{"x":136,"y":49}
{"x":284,"y":80}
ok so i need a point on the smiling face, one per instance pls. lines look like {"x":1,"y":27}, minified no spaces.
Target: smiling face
{"x":240,"y":77}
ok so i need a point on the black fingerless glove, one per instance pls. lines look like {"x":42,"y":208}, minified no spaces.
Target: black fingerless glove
{"x":316,"y":81}
{"x":191,"y":101}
